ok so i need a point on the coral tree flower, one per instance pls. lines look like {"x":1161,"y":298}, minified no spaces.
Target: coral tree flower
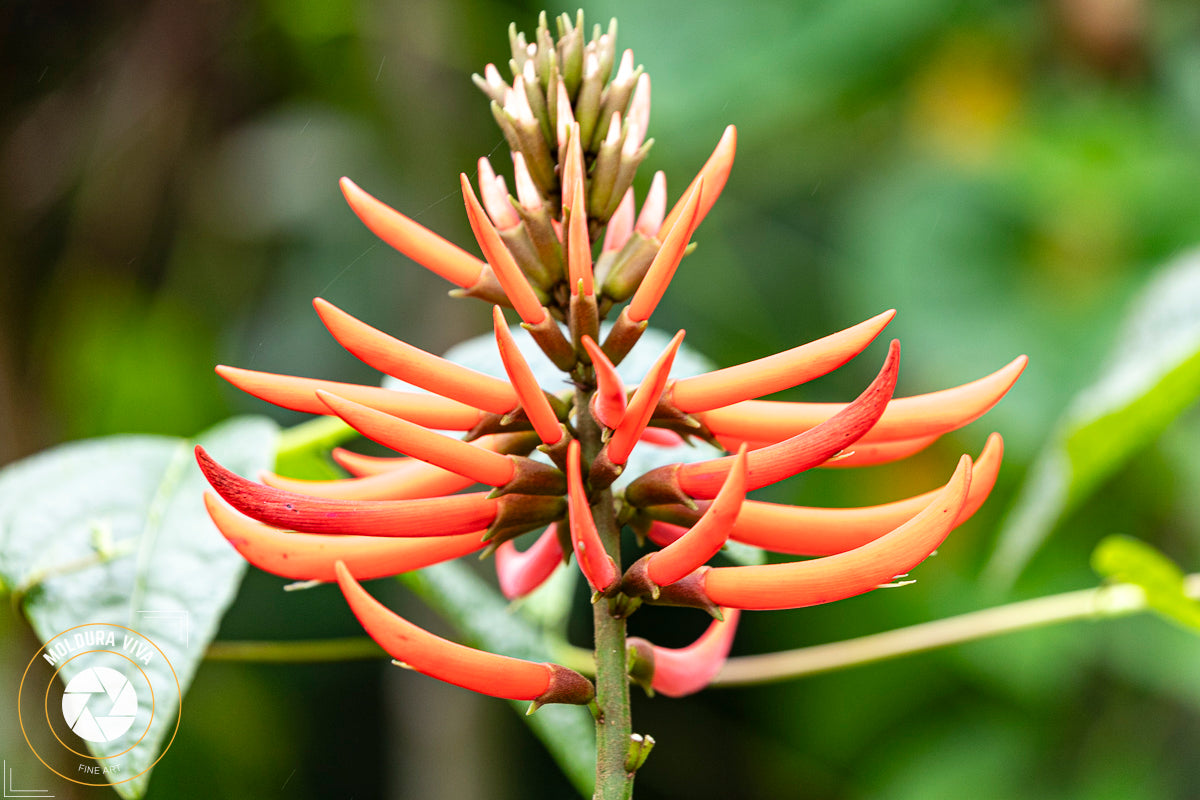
{"x":572,"y":249}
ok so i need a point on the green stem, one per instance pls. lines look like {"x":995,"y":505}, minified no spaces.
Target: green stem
{"x":355,"y":648}
{"x":1115,"y":600}
{"x":613,"y":722}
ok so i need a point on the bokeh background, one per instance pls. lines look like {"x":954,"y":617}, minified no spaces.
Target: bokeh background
{"x":1005,"y":174}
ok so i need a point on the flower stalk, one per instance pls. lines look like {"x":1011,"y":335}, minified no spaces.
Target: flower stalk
{"x":568,"y":252}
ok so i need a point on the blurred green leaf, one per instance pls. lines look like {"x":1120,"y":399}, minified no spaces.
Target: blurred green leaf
{"x":1125,"y":559}
{"x":1151,"y":379}
{"x":478,"y":610}
{"x":114,"y":531}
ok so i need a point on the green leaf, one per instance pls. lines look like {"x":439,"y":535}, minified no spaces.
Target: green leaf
{"x":1153,"y":376}
{"x":1125,"y":559}
{"x":482,"y":615}
{"x":114,"y":531}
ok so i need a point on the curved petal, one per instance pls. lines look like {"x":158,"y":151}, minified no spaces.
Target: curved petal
{"x":775,"y":373}
{"x":809,"y":531}
{"x":311,"y":556}
{"x":415,"y":241}
{"x":439,"y":516}
{"x":299,"y":394}
{"x":415,"y":366}
{"x":931,"y":414}
{"x":824,"y":580}
{"x":477,"y":670}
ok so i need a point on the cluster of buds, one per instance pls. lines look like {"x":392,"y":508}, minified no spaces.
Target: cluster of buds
{"x":564,"y":254}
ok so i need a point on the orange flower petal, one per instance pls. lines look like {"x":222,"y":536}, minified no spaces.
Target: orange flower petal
{"x":415,"y":241}
{"x":680,"y":558}
{"x":532,"y":399}
{"x":931,"y":414}
{"x":477,"y":670}
{"x":642,"y":404}
{"x":311,"y":556}
{"x":666,"y":260}
{"x":415,"y":366}
{"x":299,"y":394}
{"x":775,"y":373}
{"x":775,"y":462}
{"x":477,"y":463}
{"x":824,"y":580}
{"x":714,"y":174}
{"x":807,"y":531}
{"x":594,"y":561}
{"x":439,"y":516}
{"x":410,"y":480}
{"x":516,"y":286}
{"x":579,"y":246}
{"x":610,"y":398}
{"x":362,"y":466}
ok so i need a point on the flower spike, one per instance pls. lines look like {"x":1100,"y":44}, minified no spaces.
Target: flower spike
{"x":439,"y":516}
{"x":311,"y":556}
{"x":516,"y":286}
{"x":679,"y":672}
{"x":594,"y":561}
{"x":415,"y":241}
{"x":299,"y":394}
{"x":713,"y":174}
{"x":520,"y":573}
{"x":477,"y":670}
{"x":411,"y":364}
{"x":642,"y":404}
{"x":533,"y":400}
{"x":824,"y":580}
{"x":778,"y":372}
{"x":662,"y":268}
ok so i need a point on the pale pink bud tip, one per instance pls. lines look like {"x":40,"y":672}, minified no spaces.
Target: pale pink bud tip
{"x":494,"y":193}
{"x":650,"y":220}
{"x":682,"y":671}
{"x":521,"y":573}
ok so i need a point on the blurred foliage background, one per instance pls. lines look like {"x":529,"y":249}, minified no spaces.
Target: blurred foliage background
{"x":1005,"y":174}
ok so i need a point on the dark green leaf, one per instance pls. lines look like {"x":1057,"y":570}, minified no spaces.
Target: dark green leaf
{"x":114,"y":531}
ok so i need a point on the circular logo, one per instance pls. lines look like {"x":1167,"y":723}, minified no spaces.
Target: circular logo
{"x":99,"y":704}
{"x":118,"y":696}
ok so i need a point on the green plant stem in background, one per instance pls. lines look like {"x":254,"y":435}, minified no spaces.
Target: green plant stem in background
{"x":352,"y":648}
{"x":1114,"y":600}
